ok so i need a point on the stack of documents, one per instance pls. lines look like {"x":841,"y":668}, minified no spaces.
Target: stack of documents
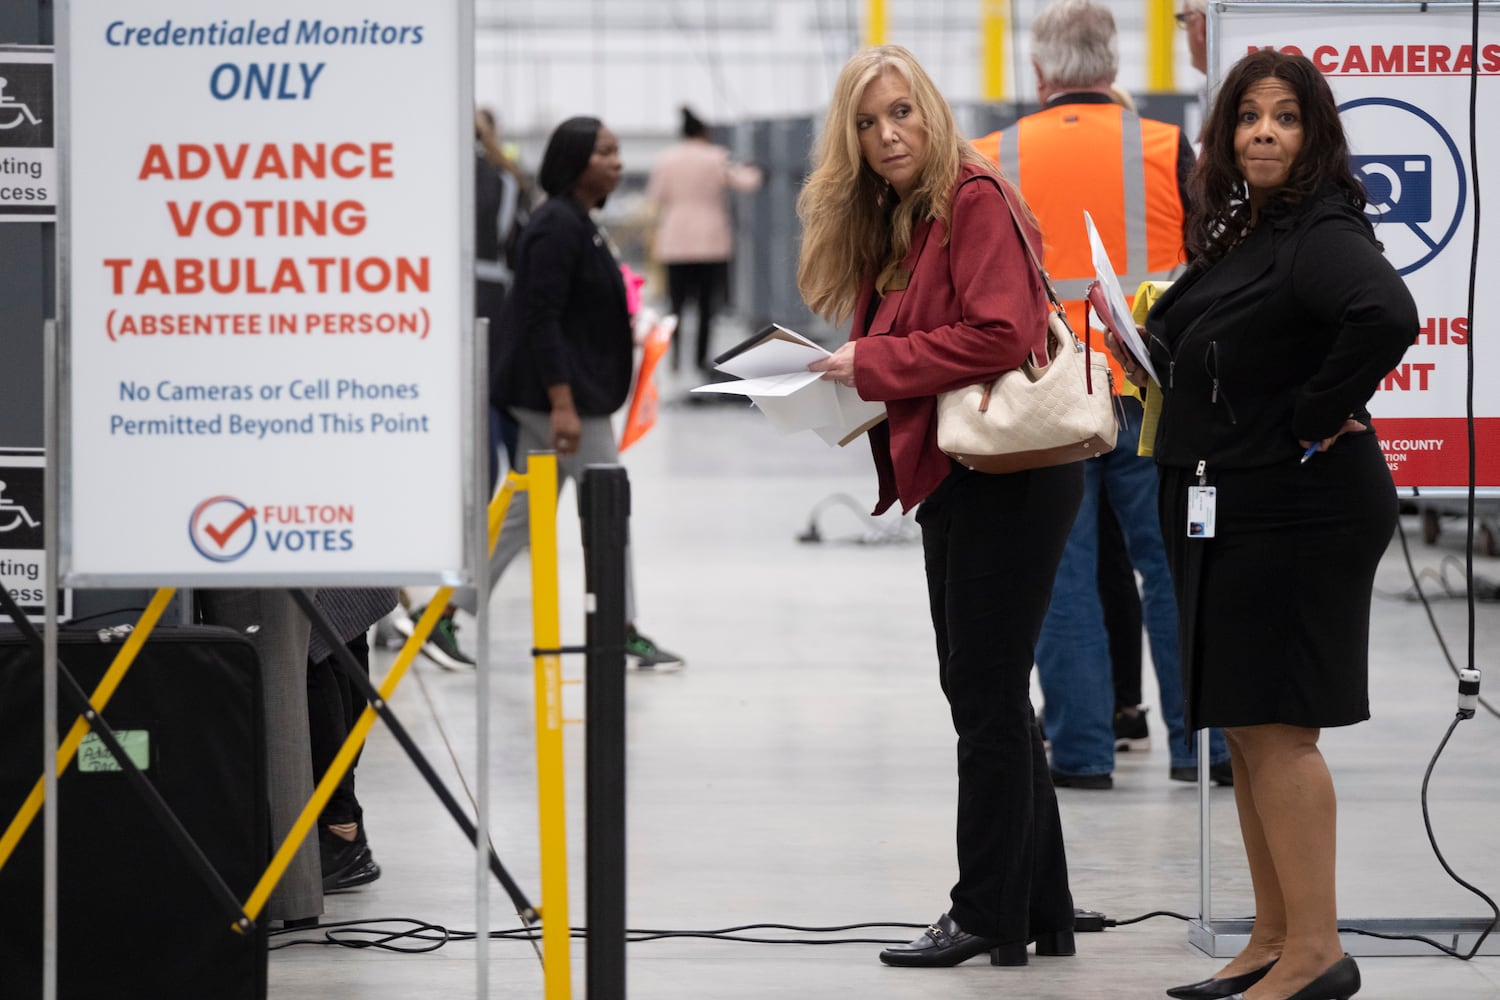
{"x":1110,"y":306}
{"x":771,"y":369}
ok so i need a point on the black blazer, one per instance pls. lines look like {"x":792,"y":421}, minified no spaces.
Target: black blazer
{"x":1282,"y":339}
{"x":566,"y":321}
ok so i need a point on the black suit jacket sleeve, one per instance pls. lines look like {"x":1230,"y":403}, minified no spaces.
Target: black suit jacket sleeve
{"x":1344,"y":282}
{"x":566,"y":320}
{"x":551,"y":269}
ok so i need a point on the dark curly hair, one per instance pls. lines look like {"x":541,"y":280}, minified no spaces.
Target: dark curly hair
{"x":1219,"y":213}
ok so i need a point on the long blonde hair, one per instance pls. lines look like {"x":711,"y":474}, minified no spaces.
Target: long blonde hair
{"x":853,"y":225}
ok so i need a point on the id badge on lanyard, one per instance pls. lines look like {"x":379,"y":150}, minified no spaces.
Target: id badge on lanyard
{"x":1200,"y":511}
{"x":1201,"y":500}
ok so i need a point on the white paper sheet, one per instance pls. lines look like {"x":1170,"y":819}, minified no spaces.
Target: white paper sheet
{"x":1119,"y":320}
{"x":772,"y":370}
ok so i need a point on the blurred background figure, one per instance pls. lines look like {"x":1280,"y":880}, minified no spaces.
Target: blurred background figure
{"x":334,"y":704}
{"x":1086,"y":152}
{"x":687,"y":191}
{"x":1192,"y":17}
{"x":502,"y":206}
{"x":563,"y":357}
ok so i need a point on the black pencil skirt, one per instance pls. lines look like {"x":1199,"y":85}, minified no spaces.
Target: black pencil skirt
{"x":1274,"y":610}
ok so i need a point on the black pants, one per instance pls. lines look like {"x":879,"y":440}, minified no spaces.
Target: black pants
{"x":333,"y":706}
{"x":1120,"y":600}
{"x":991,"y":546}
{"x":704,"y":282}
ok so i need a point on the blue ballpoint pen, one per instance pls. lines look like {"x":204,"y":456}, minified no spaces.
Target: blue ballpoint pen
{"x":1312,"y":450}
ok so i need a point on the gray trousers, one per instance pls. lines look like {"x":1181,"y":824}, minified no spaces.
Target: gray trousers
{"x":281,"y":643}
{"x":596,"y":446}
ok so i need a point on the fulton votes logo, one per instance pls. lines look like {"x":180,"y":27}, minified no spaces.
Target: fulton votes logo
{"x":223,"y":528}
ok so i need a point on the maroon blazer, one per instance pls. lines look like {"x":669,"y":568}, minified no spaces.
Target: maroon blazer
{"x":973,"y":307}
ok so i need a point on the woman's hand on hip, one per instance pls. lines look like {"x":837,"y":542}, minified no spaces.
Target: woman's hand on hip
{"x":838,"y":366}
{"x":1350,"y":426}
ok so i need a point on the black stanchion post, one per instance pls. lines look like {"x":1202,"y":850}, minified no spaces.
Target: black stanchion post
{"x":605,"y":510}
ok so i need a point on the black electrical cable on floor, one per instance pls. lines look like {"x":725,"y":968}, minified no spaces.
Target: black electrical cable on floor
{"x":370,"y":933}
{"x":1485,"y":589}
{"x":1432,"y":839}
{"x":1125,"y":922}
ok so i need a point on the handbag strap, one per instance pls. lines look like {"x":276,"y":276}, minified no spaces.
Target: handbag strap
{"x":1036,"y":262}
{"x":1057,"y":306}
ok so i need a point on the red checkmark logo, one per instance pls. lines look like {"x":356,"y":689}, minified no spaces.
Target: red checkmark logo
{"x":222,"y":535}
{"x":222,"y":528}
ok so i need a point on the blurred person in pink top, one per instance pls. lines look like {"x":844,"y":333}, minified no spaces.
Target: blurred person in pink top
{"x":693,"y":233}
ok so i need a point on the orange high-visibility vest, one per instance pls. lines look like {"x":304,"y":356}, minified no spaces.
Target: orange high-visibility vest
{"x":1121,"y":169}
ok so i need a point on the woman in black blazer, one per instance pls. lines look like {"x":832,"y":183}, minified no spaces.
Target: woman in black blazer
{"x":561,"y":362}
{"x":1276,"y":503}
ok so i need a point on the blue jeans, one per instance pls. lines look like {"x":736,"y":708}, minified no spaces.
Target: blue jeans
{"x":1072,"y":653}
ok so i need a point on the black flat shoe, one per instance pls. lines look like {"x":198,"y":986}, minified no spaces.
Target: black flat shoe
{"x":946,"y":944}
{"x":1216,"y":989}
{"x":1339,"y":981}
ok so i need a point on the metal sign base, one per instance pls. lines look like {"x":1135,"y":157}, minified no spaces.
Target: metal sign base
{"x":1225,"y":938}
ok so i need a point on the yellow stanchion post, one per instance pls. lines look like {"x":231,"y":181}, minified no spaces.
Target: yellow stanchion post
{"x":499,"y":504}
{"x":105,"y":691}
{"x":541,"y":490}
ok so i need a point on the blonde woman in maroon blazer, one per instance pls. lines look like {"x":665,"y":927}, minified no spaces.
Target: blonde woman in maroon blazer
{"x":906,"y":233}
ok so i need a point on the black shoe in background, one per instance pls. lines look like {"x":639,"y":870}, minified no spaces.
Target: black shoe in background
{"x":346,"y":863}
{"x":1221,"y":774}
{"x":1131,"y":732}
{"x":1095,"y":782}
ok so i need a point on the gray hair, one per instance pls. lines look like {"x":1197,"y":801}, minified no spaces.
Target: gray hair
{"x":1073,"y":44}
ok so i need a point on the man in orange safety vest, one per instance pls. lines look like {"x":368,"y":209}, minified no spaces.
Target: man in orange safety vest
{"x":1084,"y":152}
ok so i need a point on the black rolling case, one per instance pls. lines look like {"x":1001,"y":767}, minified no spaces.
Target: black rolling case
{"x":134,"y":917}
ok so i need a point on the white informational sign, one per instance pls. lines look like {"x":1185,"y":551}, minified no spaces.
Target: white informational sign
{"x":267,"y":361}
{"x":1401,"y":77}
{"x":23,"y":554}
{"x":28,"y":146}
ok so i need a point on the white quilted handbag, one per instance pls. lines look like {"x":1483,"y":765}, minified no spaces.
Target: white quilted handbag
{"x":1036,"y":415}
{"x":1039,"y":414}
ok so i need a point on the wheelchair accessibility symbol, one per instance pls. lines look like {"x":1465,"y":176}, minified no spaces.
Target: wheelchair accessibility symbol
{"x":1416,"y":190}
{"x":12,"y":111}
{"x":13,"y":515}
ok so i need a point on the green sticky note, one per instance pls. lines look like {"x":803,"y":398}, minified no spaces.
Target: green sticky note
{"x":95,"y":758}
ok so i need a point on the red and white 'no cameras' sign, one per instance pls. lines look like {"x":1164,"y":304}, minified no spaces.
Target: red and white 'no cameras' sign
{"x":266,"y":316}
